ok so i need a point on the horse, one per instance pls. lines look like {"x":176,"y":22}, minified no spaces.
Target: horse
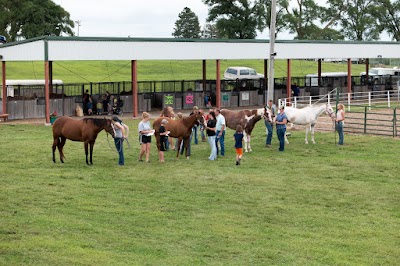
{"x":84,"y":130}
{"x":247,"y":119}
{"x":307,"y":116}
{"x":181,"y":129}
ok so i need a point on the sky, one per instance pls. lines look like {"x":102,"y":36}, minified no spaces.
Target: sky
{"x":133,"y":18}
{"x":139,"y":18}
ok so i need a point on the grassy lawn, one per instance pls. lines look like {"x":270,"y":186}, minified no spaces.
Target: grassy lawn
{"x":312,"y":204}
{"x":112,"y":71}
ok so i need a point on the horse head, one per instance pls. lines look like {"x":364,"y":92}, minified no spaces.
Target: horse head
{"x":200,"y":118}
{"x":329,"y":110}
{"x":109,"y":127}
{"x":266,"y":113}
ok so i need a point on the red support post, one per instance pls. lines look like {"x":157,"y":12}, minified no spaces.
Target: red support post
{"x":134,"y":88}
{"x":289,"y":80}
{"x":218,"y":85}
{"x":3,"y":82}
{"x":349,"y":83}
{"x":319,"y":72}
{"x":204,"y":75}
{"x":47,"y":89}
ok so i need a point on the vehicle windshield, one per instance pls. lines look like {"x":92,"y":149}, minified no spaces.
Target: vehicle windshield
{"x":248,"y":72}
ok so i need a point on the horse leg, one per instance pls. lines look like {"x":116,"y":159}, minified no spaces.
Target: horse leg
{"x":286,"y":139}
{"x":91,"y":145}
{"x":307,"y":130}
{"x":55,"y":144}
{"x":187,"y":143}
{"x":248,"y":142}
{"x":61,"y":148}
{"x":178,"y":150}
{"x":312,"y":133}
{"x":86,"y":144}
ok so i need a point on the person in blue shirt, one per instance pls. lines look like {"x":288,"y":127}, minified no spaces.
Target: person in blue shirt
{"x":281,"y":121}
{"x":238,"y":137}
{"x":295,"y":90}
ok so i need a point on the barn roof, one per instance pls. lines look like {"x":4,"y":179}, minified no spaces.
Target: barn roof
{"x":106,"y":48}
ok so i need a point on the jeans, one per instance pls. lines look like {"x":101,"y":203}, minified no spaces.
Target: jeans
{"x":221,"y":140}
{"x":270,"y":128}
{"x":203,"y":136}
{"x":339,"y":128}
{"x":211,"y":141}
{"x":280,"y":132}
{"x":194,"y":134}
{"x":120,"y":149}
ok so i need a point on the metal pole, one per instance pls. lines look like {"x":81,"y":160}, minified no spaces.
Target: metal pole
{"x":270,"y":93}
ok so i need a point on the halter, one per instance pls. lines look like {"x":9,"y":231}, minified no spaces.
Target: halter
{"x":329,"y":111}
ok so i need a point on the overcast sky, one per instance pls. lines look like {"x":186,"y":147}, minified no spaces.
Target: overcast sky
{"x":134,"y":18}
{"x":138,"y":18}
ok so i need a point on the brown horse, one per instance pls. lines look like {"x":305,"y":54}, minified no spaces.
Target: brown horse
{"x":181,"y":129}
{"x":85,"y":130}
{"x":247,"y":119}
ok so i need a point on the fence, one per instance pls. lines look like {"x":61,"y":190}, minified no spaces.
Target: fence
{"x":29,"y":101}
{"x":372,"y":120}
{"x":367,"y":112}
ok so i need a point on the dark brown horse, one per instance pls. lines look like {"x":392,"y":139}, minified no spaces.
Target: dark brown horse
{"x":85,"y":130}
{"x":181,"y":129}
{"x":247,"y":119}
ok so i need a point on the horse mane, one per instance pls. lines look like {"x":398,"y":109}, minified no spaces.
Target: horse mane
{"x":99,"y":122}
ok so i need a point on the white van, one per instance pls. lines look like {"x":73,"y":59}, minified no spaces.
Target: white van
{"x":234,"y":73}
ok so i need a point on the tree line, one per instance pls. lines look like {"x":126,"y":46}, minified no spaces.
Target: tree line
{"x":357,"y":20}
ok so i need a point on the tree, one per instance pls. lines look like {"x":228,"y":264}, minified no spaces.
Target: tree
{"x":33,"y":18}
{"x":301,"y":18}
{"x":236,"y":19}
{"x":209,"y":31}
{"x":388,"y":14}
{"x":187,"y":26}
{"x":356,"y":19}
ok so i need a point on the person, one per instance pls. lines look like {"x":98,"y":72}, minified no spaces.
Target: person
{"x":281,"y":121}
{"x":269,"y":125}
{"x":105,"y":103}
{"x":163,"y":140}
{"x":339,"y":122}
{"x":210,"y":128}
{"x":238,"y":137}
{"x":145,"y":133}
{"x":206,"y":99}
{"x":85,"y":100}
{"x":296,"y":90}
{"x":194,"y":128}
{"x":99,"y":107}
{"x":179,"y":116}
{"x":203,"y":135}
{"x":89,"y":106}
{"x":121,"y":133}
{"x":169,"y":112}
{"x":220,"y":133}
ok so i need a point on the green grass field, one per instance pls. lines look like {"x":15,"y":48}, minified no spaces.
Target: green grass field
{"x":310,"y":205}
{"x":112,"y":71}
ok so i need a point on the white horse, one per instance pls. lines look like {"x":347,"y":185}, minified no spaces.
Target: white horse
{"x":307,"y":116}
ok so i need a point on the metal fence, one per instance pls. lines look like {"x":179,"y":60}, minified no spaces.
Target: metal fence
{"x":29,"y":101}
{"x":372,"y":120}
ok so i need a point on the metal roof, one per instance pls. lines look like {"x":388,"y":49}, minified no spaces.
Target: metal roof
{"x":104,"y":48}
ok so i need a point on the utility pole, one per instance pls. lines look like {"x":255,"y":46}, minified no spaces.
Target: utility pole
{"x":270,"y":91}
{"x":78,"y":23}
